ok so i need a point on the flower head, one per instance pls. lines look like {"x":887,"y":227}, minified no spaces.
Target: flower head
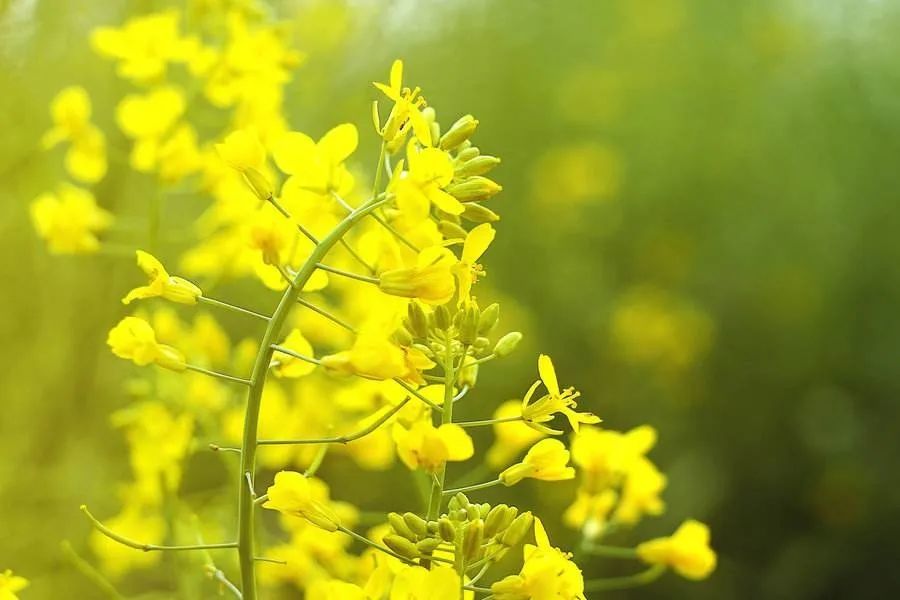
{"x":10,"y":584}
{"x":293,"y":495}
{"x":548,"y":573}
{"x":161,"y":284}
{"x":86,"y":156}
{"x":555,"y":401}
{"x":69,"y":220}
{"x":467,"y":270}
{"x":133,"y":339}
{"x":405,"y":114}
{"x":511,"y":436}
{"x":431,"y":280}
{"x":424,"y":446}
{"x":419,"y":583}
{"x":430,"y":170}
{"x":317,"y":167}
{"x":290,"y":366}
{"x":376,"y":357}
{"x":687,"y":551}
{"x":547,"y":460}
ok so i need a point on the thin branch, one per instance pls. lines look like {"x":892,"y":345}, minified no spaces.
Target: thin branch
{"x":220,"y":303}
{"x":218,"y":375}
{"x":296,"y":355}
{"x":489,"y":422}
{"x":347,"y":274}
{"x":326,"y":314}
{"x":415,"y":393}
{"x":629,"y":581}
{"x":472,"y":488}
{"x":149,"y":547}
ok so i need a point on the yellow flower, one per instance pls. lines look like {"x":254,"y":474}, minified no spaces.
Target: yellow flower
{"x":292,"y":495}
{"x":161,"y":283}
{"x":134,"y":339}
{"x":640,"y":492}
{"x":430,"y":171}
{"x":333,"y":589}
{"x":148,"y":119}
{"x":69,"y":220}
{"x":179,"y":156}
{"x":547,"y":574}
{"x":590,"y":512}
{"x":317,"y":167}
{"x":418,"y":583}
{"x":426,"y":447}
{"x":555,"y":401}
{"x":285,"y":365}
{"x":375,"y":357}
{"x":605,"y":457}
{"x":467,"y":270}
{"x":71,"y":112}
{"x":10,"y":584}
{"x":143,"y":46}
{"x":431,"y":280}
{"x":511,"y":437}
{"x":687,"y":551}
{"x":406,"y":110}
{"x":547,"y":460}
{"x":243,"y":152}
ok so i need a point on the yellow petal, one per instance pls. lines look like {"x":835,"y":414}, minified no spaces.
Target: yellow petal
{"x":548,"y":374}
{"x":477,"y":243}
{"x":459,"y":444}
{"x":293,"y":151}
{"x":340,"y":142}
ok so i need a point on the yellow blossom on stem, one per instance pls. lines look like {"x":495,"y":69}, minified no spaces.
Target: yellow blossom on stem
{"x":555,"y":401}
{"x":511,"y":436}
{"x":10,"y":584}
{"x":640,"y":493}
{"x":548,"y":573}
{"x":133,"y":339}
{"x":69,"y":220}
{"x":375,"y":357}
{"x":424,"y":446}
{"x":86,"y":156}
{"x":419,"y":583}
{"x":422,"y":186}
{"x":605,"y":457}
{"x":406,"y":112}
{"x":317,"y":167}
{"x":148,"y":119}
{"x":687,"y":551}
{"x":547,"y":460}
{"x":431,"y":280}
{"x":291,"y":494}
{"x":242,"y":151}
{"x":285,"y":365}
{"x":162,"y":285}
{"x":467,"y":270}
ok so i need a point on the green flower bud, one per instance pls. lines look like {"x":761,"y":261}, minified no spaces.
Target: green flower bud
{"x":459,"y":132}
{"x":402,"y":337}
{"x":483,"y":509}
{"x":493,"y":520}
{"x":442,"y":319}
{"x":472,"y":512}
{"x":451,"y":230}
{"x":416,"y":524}
{"x":472,"y":540}
{"x":462,"y":499}
{"x":476,"y":213}
{"x":428,"y":545}
{"x":400,"y":527}
{"x":446,"y":529}
{"x":418,"y":321}
{"x":477,"y":166}
{"x":468,"y":328}
{"x":507,"y":344}
{"x":401,"y":546}
{"x":466,"y":153}
{"x":517,"y":530}
{"x":488,"y":319}
{"x":468,"y":375}
{"x":474,"y":188}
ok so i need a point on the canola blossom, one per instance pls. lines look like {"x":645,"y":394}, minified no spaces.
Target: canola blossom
{"x":359,"y":337}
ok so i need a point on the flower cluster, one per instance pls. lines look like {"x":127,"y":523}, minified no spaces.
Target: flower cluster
{"x":368,"y":326}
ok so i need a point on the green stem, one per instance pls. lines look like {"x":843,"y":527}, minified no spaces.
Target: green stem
{"x":88,"y":570}
{"x":623,"y":583}
{"x":437,"y":487}
{"x":246,"y":541}
{"x":472,"y":488}
{"x":610,"y":551}
{"x":369,"y":542}
{"x":214,"y":302}
{"x":149,"y":547}
{"x":326,"y":314}
{"x":317,"y":462}
{"x":296,"y":355}
{"x":197,"y":369}
{"x":489,"y":422}
{"x":347,"y":274}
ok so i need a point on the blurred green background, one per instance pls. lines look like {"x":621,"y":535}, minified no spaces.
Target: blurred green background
{"x":699,"y":225}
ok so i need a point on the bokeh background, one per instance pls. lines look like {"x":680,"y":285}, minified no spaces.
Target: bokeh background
{"x":699,"y":223}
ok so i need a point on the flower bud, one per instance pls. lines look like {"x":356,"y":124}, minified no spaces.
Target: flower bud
{"x":488,"y":319}
{"x":474,"y":188}
{"x":468,"y":329}
{"x":507,"y":344}
{"x":468,"y":374}
{"x":259,"y":183}
{"x":451,"y":230}
{"x":442,"y":319}
{"x":493,"y":520}
{"x":472,"y":512}
{"x":398,"y":524}
{"x":446,"y":529}
{"x":401,"y":546}
{"x":418,"y":322}
{"x":402,"y":337}
{"x":517,"y":530}
{"x":483,"y":509}
{"x":466,"y":153}
{"x":476,"y":213}
{"x":472,"y":540}
{"x":428,"y":545}
{"x":459,"y":132}
{"x":477,"y":166}
{"x":416,"y":524}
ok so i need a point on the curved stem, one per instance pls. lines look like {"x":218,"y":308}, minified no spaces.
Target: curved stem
{"x":489,"y":422}
{"x":214,"y":302}
{"x":249,"y":444}
{"x":610,"y":551}
{"x":623,"y":583}
{"x":149,"y":547}
{"x":347,"y":274}
{"x":232,"y":378}
{"x":472,"y":488}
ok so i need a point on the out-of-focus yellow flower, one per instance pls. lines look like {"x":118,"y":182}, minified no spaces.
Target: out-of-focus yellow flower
{"x":605,"y":457}
{"x":512,"y":437}
{"x":148,"y":119}
{"x":291,"y":495}
{"x":418,"y":583}
{"x":69,"y":220}
{"x":136,"y":522}
{"x":242,"y":151}
{"x":640,"y":493}
{"x":133,"y":339}
{"x":430,"y":171}
{"x":285,"y":365}
{"x":179,"y":156}
{"x":431,"y":280}
{"x":467,"y":270}
{"x":548,"y":460}
{"x":590,"y":512}
{"x":406,"y":110}
{"x":376,"y":357}
{"x":548,"y":573}
{"x":317,"y":167}
{"x":144,"y":46}
{"x":555,"y":401}
{"x":332,"y":589}
{"x":161,"y":283}
{"x":687,"y":551}
{"x":71,"y":113}
{"x":10,"y":584}
{"x":426,"y":447}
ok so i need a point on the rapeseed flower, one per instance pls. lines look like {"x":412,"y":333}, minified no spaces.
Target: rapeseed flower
{"x":285,"y":365}
{"x":430,"y":281}
{"x":548,"y":460}
{"x":424,"y":446}
{"x":10,"y":584}
{"x":134,"y":339}
{"x":686,"y":551}
{"x":291,"y":494}
{"x":317,"y":167}
{"x":162,"y":285}
{"x":555,"y":401}
{"x":86,"y":156}
{"x":69,"y":220}
{"x":467,"y":270}
{"x":405,"y":114}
